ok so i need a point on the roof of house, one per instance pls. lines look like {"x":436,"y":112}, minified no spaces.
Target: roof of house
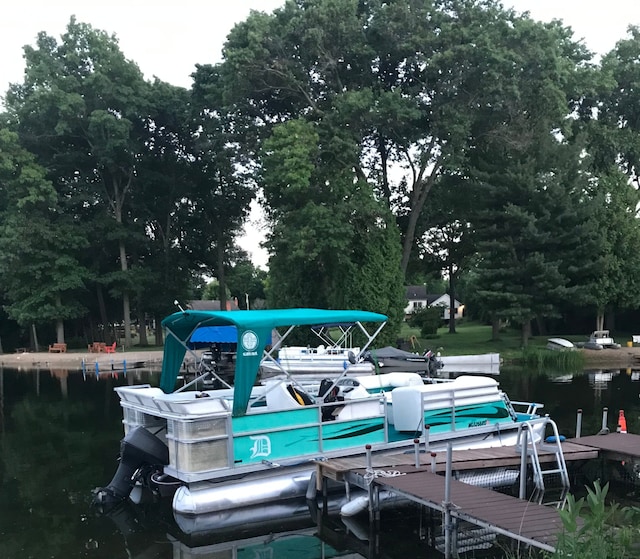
{"x":419,"y":293}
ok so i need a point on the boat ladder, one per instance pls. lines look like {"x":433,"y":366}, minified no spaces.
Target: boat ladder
{"x":530,"y":450}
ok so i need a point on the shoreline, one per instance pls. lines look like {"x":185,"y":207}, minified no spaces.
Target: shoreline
{"x":625,"y":357}
{"x":74,"y":359}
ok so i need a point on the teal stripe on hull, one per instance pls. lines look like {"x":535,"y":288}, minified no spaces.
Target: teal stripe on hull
{"x":296,"y":433}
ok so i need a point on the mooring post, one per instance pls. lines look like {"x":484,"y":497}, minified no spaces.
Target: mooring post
{"x":605,"y":413}
{"x":524,"y":443}
{"x":433,"y":462}
{"x":370,"y":488}
{"x":416,"y":451}
{"x":579,"y":423}
{"x":426,"y":438}
{"x":446,"y":505}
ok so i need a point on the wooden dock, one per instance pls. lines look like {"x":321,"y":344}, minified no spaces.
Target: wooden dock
{"x":531,"y":523}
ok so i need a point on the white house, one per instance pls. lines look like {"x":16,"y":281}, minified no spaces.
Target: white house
{"x":418,"y":298}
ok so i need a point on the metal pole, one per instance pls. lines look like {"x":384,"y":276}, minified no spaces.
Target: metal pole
{"x":447,"y":505}
{"x":416,"y":450}
{"x":426,"y":437}
{"x":579,"y":423}
{"x":433,"y":462}
{"x":523,"y":461}
{"x":605,"y":413}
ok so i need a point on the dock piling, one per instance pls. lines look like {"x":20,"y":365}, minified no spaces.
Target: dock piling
{"x":605,"y":414}
{"x":579,"y":423}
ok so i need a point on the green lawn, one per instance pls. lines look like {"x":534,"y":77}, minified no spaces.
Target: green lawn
{"x":473,"y":338}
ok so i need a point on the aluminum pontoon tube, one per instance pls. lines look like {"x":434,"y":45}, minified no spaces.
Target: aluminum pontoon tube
{"x":207,"y":497}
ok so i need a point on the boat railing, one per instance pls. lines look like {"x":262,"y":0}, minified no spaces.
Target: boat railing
{"x":411,"y":405}
{"x":528,"y":408}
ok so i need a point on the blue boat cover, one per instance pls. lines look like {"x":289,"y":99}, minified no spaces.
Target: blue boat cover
{"x":215,"y":334}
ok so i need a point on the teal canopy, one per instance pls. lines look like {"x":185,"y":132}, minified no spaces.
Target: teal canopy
{"x":253,"y":334}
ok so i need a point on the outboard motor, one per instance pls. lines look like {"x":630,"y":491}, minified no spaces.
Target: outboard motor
{"x":139,"y":448}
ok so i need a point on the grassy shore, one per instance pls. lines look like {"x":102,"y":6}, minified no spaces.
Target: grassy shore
{"x":473,"y":338}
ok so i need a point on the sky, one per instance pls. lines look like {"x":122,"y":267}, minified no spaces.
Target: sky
{"x":167,"y":38}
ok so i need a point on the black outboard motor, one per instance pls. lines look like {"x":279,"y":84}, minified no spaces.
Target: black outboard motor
{"x":138,"y":448}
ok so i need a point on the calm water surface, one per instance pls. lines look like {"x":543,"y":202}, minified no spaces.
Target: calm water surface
{"x":59,"y":438}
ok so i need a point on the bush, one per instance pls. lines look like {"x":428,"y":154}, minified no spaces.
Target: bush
{"x":427,"y":319}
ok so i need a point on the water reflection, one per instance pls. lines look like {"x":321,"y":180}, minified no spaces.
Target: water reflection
{"x":59,"y":438}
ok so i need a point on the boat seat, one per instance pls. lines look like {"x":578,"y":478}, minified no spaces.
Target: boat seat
{"x":282,"y":396}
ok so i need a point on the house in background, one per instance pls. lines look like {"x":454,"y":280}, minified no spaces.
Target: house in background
{"x":418,"y":298}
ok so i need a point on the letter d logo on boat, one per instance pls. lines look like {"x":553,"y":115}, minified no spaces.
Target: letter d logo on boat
{"x":249,"y":342}
{"x":261,"y":446}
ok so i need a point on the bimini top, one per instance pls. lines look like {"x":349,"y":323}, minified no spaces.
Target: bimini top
{"x":253,"y":334}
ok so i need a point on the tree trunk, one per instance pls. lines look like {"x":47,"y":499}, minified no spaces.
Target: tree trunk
{"x":142,"y":329}
{"x":103,"y":309}
{"x":126,"y":309}
{"x":526,"y":332}
{"x":222,"y":280}
{"x":60,"y":331}
{"x":495,"y":329}
{"x":158,"y":331}
{"x":452,"y":301}
{"x":34,"y":339}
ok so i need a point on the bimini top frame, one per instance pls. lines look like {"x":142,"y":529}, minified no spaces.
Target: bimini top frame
{"x":254,"y":329}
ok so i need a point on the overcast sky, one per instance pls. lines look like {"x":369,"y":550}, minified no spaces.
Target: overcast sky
{"x":166,"y":38}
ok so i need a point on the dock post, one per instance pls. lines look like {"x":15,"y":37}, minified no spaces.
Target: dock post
{"x":605,"y":413}
{"x":433,"y":462}
{"x":371,"y":487}
{"x":579,"y":423}
{"x":448,"y":525}
{"x":426,"y":437}
{"x":524,"y":444}
{"x":416,"y":451}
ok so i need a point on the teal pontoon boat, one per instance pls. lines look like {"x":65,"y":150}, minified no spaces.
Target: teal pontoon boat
{"x":235,"y":448}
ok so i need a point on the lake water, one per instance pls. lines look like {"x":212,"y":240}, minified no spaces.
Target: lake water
{"x":59,"y":439}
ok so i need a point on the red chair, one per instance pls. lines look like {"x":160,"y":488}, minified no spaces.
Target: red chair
{"x":110,"y":348}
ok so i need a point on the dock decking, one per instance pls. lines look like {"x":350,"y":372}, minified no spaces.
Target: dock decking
{"x":531,"y":523}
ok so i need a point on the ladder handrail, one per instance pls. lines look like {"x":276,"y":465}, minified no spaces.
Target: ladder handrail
{"x":532,"y":450}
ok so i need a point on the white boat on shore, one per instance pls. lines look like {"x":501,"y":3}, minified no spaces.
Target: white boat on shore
{"x":233,"y":448}
{"x":560,"y":344}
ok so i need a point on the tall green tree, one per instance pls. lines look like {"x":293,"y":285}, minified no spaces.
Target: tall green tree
{"x":80,"y":110}
{"x":40,"y":274}
{"x":412,"y":85}
{"x":331,"y":240}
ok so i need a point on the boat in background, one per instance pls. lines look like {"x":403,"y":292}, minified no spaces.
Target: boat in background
{"x":393,"y":359}
{"x":560,"y":344}
{"x":231,"y":450}
{"x":483,"y":363}
{"x":600,"y":339}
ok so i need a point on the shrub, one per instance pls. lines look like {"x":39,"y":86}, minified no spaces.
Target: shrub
{"x":427,"y":319}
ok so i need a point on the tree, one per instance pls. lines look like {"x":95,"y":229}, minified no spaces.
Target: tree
{"x":80,"y":111}
{"x":411,"y":86}
{"x":331,"y":242}
{"x":39,"y":273}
